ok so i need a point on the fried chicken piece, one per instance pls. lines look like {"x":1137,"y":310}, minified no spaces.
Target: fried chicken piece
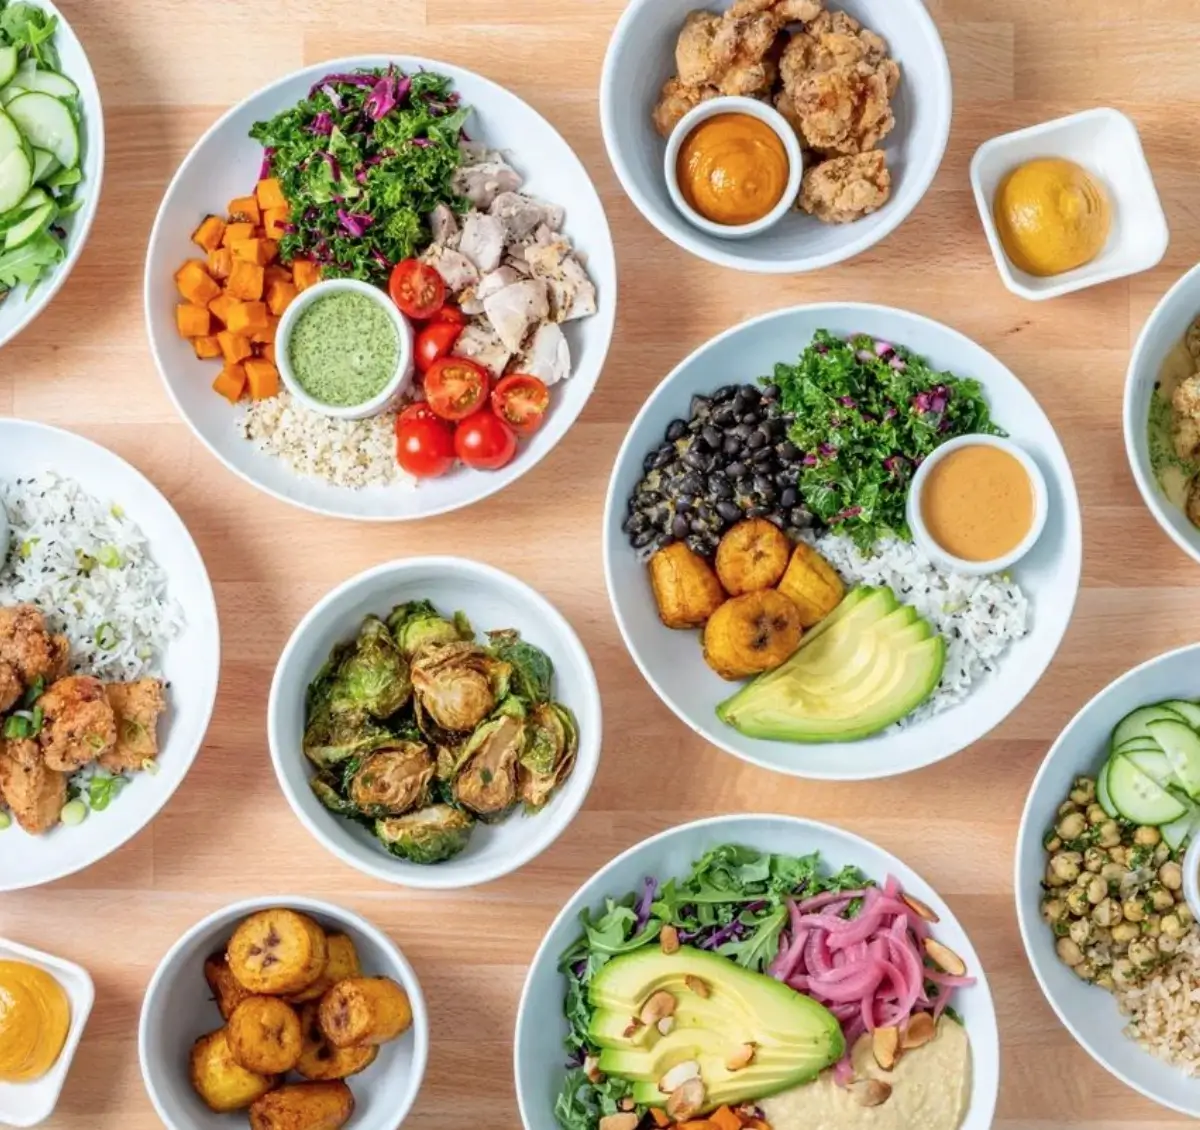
{"x":137,"y":707}
{"x":698,"y":57}
{"x":1192,"y":340}
{"x":79,"y":724}
{"x":845,"y":189}
{"x":675,"y":101}
{"x":843,"y":111}
{"x":1185,"y":418}
{"x":786,"y":11}
{"x":35,"y":794}
{"x":24,"y":751}
{"x":28,"y":652}
{"x":11,"y":687}
{"x":746,"y":45}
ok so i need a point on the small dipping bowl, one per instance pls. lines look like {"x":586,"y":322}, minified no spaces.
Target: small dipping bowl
{"x":753,"y":109}
{"x":5,"y":533}
{"x":1191,"y":876}
{"x":395,"y":387}
{"x":933,"y":549}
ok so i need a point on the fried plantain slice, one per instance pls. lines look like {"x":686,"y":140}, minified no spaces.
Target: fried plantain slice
{"x":319,"y":1059}
{"x":264,"y":1035}
{"x":364,"y":1010}
{"x":686,"y":589}
{"x":751,"y":633}
{"x":752,"y":556}
{"x":277,"y":952}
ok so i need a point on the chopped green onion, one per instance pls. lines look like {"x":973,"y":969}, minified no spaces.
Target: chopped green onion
{"x":107,"y":637}
{"x":74,"y":812}
{"x":117,"y":511}
{"x":17,"y":727}
{"x":109,"y":556}
{"x":102,"y":789}
{"x":95,"y":741}
{"x":145,"y":651}
{"x":27,"y":546}
{"x":86,"y":562}
{"x":36,"y":721}
{"x":5,"y":821}
{"x":150,"y":766}
{"x":34,"y":692}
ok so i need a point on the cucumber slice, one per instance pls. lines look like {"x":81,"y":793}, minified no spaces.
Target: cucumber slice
{"x":33,"y":77}
{"x":16,"y":178}
{"x":8,"y":64}
{"x":1135,"y":745}
{"x":1155,"y":764}
{"x":1135,"y":723}
{"x":45,"y":164}
{"x":47,"y":124}
{"x":1188,"y":711}
{"x":36,"y":222}
{"x":1182,"y":745}
{"x":1102,"y":795}
{"x":1138,"y":798}
{"x":1178,"y":832}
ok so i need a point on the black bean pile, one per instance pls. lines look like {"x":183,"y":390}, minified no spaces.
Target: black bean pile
{"x":731,"y":459}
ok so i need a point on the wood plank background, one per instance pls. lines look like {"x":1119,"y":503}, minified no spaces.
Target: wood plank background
{"x":167,"y":69}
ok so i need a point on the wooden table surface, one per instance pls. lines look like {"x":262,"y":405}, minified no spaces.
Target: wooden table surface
{"x":167,"y":69}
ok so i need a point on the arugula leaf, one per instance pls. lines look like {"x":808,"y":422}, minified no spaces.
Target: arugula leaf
{"x":27,"y":263}
{"x":30,"y":29}
{"x":581,"y":1103}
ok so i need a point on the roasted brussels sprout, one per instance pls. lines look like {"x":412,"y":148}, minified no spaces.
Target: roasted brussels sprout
{"x":331,"y":738}
{"x":373,"y":677}
{"x":429,"y":835}
{"x":418,"y":624}
{"x":532,"y":669}
{"x":457,"y":685}
{"x":486,"y":783}
{"x":392,"y":780}
{"x":325,"y":786}
{"x":551,"y":743}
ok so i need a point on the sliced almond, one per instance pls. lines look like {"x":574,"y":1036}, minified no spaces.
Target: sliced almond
{"x":920,"y":908}
{"x":700,"y":988}
{"x":591,"y":1068}
{"x":885,"y":1043}
{"x":945,"y":958}
{"x":659,"y":1005}
{"x":678,"y":1075}
{"x":666,"y":1025}
{"x":619,"y":1122}
{"x":919,"y":1031}
{"x":635,"y":1025}
{"x":686,"y":1100}
{"x":870,"y":1092}
{"x":669,"y":939}
{"x":743,"y":1056}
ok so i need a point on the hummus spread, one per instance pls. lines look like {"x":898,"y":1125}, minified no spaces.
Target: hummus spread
{"x":931,"y":1088}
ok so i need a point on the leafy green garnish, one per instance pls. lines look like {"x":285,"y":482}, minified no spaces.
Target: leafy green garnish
{"x":103,"y":789}
{"x":31,"y":30}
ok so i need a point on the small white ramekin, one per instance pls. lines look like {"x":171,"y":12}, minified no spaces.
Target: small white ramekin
{"x":404,"y":338}
{"x":924,"y":539}
{"x":1191,"y":876}
{"x":754,"y":109}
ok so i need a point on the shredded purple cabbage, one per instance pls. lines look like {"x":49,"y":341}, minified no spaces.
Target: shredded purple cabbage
{"x":383,"y":97}
{"x":380,"y":258}
{"x":649,"y":893}
{"x":322,"y":124}
{"x":355,"y":225}
{"x":352,"y":79}
{"x":334,"y":97}
{"x":420,"y":142}
{"x":264,"y":170}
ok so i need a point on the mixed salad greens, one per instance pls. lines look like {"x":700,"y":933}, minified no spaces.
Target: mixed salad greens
{"x":40,"y":146}
{"x":867,"y":412}
{"x":363,"y":160}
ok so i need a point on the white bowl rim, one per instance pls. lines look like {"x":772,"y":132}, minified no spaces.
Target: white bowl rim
{"x":751,"y":107}
{"x":866,"y":308}
{"x":1025,"y":829}
{"x":1135,"y":424}
{"x":149,"y":282}
{"x":929,"y":544}
{"x":318,"y":908}
{"x":205,"y":594}
{"x":920,"y":14}
{"x":404,"y":348}
{"x":87,"y":214}
{"x":799,"y":823}
{"x":440,"y":877}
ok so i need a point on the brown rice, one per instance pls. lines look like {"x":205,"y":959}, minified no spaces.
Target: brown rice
{"x":1164,"y":1010}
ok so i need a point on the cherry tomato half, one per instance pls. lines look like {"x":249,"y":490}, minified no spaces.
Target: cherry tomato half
{"x":484,"y":441}
{"x":434,"y":341}
{"x":417,"y":289}
{"x":424,"y":446}
{"x":418,"y":410}
{"x":450,"y":314}
{"x":455,"y":387}
{"x":521,"y":402}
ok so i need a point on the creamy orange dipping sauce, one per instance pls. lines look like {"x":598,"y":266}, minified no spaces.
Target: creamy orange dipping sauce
{"x":733,"y":169}
{"x":978,"y":503}
{"x":35,"y":1017}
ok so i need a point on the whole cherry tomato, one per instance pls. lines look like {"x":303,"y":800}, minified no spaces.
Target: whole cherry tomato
{"x":424,"y":446}
{"x":484,"y":441}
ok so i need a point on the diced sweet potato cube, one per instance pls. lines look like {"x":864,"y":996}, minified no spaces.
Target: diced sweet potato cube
{"x":195,"y":283}
{"x":220,"y":262}
{"x":222,"y":306}
{"x":263,"y":378}
{"x":276,"y":272}
{"x":305,"y":273}
{"x":246,"y":317}
{"x":236,"y":231}
{"x":280,"y":296}
{"x":274,"y":222}
{"x":192,"y":321}
{"x":266,"y":335}
{"x":234,"y":347}
{"x":208,"y":235}
{"x":260,"y":251}
{"x":269,"y":352}
{"x":245,"y":281}
{"x":269,"y":193}
{"x":231,"y":382}
{"x":206,"y":347}
{"x":245,"y":208}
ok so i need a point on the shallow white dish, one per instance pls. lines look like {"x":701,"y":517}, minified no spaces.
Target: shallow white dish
{"x":28,"y":1104}
{"x":1090,"y":1014}
{"x":191,"y":664}
{"x":1106,"y":143}
{"x":1164,"y":329}
{"x":178,"y":1009}
{"x":672,"y":661}
{"x":224,"y":164}
{"x":538,"y":1045}
{"x":19,"y":310}
{"x":492,"y":600}
{"x":641,"y":57}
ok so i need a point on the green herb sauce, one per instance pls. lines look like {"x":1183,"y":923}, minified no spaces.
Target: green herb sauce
{"x":1173,"y":473}
{"x":344,"y":349}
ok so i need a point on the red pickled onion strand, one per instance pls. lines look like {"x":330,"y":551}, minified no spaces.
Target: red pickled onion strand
{"x":816,"y":902}
{"x":843,"y":1072}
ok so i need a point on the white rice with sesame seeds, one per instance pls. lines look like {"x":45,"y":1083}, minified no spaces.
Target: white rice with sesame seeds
{"x":346,"y":453}
{"x":978,"y":617}
{"x":1164,"y":1010}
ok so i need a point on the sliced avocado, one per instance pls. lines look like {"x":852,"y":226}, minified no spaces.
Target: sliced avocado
{"x":794,"y":1037}
{"x":872,"y":661}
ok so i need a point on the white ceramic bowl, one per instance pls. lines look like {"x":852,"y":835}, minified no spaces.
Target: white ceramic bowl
{"x":1106,"y":143}
{"x":781,"y":129}
{"x":672,"y":661}
{"x":934,"y":551}
{"x":28,"y":1104}
{"x":1089,"y":1013}
{"x":191,"y":664}
{"x":178,"y":1009}
{"x":20,"y":309}
{"x":400,"y":379}
{"x":538,"y":1046}
{"x":224,"y":163}
{"x":641,"y":57}
{"x":491,"y":599}
{"x":1164,"y":329}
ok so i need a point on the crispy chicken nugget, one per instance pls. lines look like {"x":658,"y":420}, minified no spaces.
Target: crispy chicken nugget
{"x":686,"y":589}
{"x":752,"y":633}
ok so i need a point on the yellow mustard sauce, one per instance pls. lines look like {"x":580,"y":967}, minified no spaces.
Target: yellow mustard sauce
{"x":733,"y":169}
{"x":35,"y":1017}
{"x":978,"y":503}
